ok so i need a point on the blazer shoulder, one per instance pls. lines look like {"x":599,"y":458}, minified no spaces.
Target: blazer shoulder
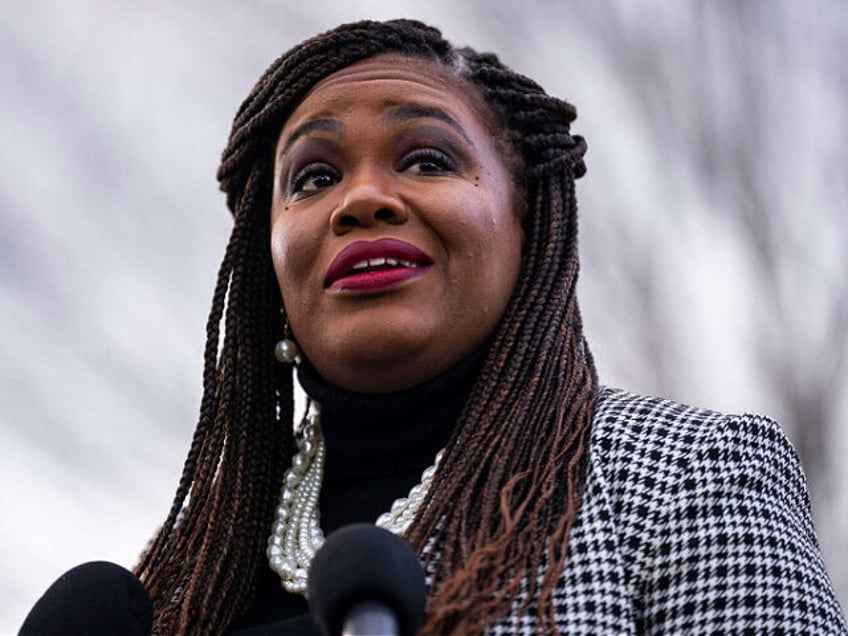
{"x":645,"y":449}
{"x":628,"y":427}
{"x":702,"y":504}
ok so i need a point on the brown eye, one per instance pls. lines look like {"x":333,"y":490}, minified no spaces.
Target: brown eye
{"x":427,"y":161}
{"x":315,"y":177}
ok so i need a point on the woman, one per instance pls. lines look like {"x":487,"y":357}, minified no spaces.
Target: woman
{"x":418,"y":203}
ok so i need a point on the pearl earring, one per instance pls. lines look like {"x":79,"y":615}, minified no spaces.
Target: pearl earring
{"x":286,"y":350}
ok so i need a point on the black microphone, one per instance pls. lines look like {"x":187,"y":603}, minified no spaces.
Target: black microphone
{"x":366,"y":580}
{"x":92,"y":599}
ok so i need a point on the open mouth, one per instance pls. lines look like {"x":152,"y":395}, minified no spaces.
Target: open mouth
{"x":380,"y":264}
{"x":366,"y":265}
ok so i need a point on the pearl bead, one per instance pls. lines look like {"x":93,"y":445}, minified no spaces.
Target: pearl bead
{"x":286,"y":351}
{"x":296,"y":533}
{"x":399,"y":504}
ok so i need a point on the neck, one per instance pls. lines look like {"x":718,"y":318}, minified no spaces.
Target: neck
{"x":371,"y":436}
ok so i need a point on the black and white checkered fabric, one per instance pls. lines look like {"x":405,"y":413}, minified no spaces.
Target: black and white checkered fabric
{"x":692,"y":522}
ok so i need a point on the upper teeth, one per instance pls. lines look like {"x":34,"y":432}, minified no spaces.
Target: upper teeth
{"x":376,"y":262}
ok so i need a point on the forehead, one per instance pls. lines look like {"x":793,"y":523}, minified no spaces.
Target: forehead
{"x":386,"y":81}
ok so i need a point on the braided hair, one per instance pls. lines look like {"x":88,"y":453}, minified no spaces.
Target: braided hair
{"x":487,"y":528}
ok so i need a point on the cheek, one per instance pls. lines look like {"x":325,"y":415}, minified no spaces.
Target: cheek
{"x":504,"y":246}
{"x":279,"y":251}
{"x":491,"y":232}
{"x":289,"y":261}
{"x":487,"y":248}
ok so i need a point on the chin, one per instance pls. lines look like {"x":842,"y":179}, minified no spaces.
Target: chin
{"x":378,"y":361}
{"x":379,"y":378}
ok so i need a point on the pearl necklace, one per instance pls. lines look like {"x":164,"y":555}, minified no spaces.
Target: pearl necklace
{"x":296,"y":533}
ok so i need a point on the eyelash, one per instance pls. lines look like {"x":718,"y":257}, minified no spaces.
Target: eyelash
{"x":443,"y":163}
{"x":313,"y":170}
{"x":438,"y":158}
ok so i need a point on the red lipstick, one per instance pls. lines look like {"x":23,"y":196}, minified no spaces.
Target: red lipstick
{"x":375,"y":265}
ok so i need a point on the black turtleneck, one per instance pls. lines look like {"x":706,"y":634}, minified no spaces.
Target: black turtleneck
{"x":377,"y":447}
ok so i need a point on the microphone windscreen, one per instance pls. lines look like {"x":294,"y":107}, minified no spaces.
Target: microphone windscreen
{"x":361,"y":563}
{"x":93,"y":598}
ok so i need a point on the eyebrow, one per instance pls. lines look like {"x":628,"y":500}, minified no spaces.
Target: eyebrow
{"x":418,"y":111}
{"x":395,"y":115}
{"x":314,"y":125}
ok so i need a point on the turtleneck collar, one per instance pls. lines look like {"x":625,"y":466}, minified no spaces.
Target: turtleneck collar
{"x":368,"y":435}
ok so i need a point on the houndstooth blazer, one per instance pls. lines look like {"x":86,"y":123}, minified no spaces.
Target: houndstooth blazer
{"x":692,"y":522}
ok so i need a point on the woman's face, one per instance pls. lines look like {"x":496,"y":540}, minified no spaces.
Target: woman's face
{"x":395,"y":238}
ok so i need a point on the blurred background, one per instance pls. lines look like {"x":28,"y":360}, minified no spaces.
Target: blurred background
{"x":714,"y":230}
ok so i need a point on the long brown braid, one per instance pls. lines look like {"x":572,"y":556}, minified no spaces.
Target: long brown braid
{"x":486,"y":525}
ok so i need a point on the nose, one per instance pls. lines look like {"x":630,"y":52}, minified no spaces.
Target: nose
{"x":368,"y":200}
